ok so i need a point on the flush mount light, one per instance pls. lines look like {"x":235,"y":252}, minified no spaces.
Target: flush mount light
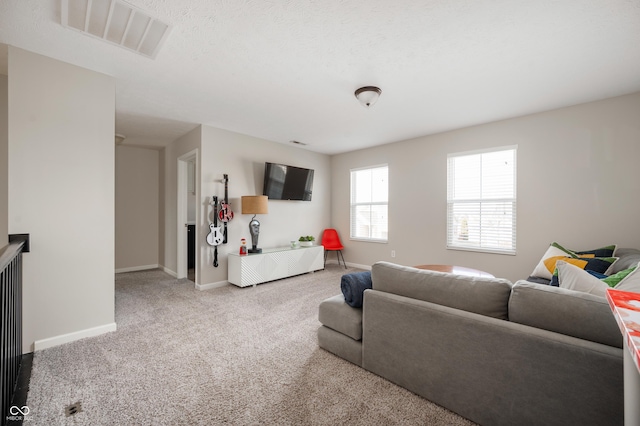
{"x":116,"y":22}
{"x":368,"y":95}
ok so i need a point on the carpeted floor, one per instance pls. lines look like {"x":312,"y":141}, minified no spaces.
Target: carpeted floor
{"x":223,"y":356}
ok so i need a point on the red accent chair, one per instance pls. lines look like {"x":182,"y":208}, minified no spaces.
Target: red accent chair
{"x":331,"y":242}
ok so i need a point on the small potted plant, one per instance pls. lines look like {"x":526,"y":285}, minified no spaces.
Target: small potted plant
{"x":306,"y":241}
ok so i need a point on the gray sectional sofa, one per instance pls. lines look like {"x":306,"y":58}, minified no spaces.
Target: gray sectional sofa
{"x":494,"y":352}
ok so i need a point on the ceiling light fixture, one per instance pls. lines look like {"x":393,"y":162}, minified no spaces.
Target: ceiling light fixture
{"x":368,"y":95}
{"x":120,"y":138}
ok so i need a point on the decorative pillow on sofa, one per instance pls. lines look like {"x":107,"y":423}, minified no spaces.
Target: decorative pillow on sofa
{"x":547,"y":265}
{"x":631,"y":282}
{"x":594,"y":265}
{"x":606,"y":251}
{"x":573,"y":278}
{"x":614,"y":280}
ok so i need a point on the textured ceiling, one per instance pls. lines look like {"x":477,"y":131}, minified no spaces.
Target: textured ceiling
{"x":286,"y":70}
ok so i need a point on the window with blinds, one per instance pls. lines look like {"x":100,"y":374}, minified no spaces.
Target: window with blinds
{"x":481,"y":200}
{"x":369,"y":203}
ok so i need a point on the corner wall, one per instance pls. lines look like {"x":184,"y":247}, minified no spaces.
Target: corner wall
{"x":578,"y":180}
{"x":61,"y":192}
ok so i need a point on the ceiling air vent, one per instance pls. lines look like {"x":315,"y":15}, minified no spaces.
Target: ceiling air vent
{"x":116,"y":22}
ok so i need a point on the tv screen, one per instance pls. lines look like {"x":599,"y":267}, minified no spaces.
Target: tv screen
{"x":282,"y":182}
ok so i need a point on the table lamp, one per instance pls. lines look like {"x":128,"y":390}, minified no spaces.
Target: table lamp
{"x":254,"y":204}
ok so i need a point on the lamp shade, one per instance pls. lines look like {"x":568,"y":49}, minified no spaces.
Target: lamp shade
{"x":255,"y":204}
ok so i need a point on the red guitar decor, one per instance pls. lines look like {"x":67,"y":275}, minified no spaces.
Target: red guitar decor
{"x":225,"y":214}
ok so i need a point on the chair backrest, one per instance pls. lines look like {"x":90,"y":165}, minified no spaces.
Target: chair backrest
{"x":331,"y":240}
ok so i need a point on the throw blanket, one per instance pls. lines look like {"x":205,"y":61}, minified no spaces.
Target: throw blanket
{"x":353,"y":287}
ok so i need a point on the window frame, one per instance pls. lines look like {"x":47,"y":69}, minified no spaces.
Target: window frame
{"x":353,"y":204}
{"x":450,"y":243}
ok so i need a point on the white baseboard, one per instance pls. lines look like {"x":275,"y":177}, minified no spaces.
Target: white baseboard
{"x":137,"y":268}
{"x":212,"y":285}
{"x":356,"y":265}
{"x":72,"y":337}
{"x":169,"y":271}
{"x":353,"y":265}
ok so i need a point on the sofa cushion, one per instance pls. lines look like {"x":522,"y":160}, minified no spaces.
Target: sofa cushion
{"x":481,"y":295}
{"x":337,"y":315}
{"x":569,"y":312}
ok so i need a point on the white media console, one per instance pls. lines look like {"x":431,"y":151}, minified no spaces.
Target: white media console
{"x":273,"y":264}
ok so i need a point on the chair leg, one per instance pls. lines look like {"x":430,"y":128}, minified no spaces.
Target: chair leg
{"x":325,"y":258}
{"x":340,"y":254}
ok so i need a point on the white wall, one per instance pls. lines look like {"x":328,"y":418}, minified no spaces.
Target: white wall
{"x":242,"y":157}
{"x":61,"y":192}
{"x":4,"y":173}
{"x":137,"y":208}
{"x":578,"y":180}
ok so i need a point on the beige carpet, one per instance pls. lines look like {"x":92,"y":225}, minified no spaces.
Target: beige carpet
{"x":222,"y":356}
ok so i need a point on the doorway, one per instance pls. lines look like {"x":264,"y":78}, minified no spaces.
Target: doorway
{"x":187,"y":217}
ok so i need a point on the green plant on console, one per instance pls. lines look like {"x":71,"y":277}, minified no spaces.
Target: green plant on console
{"x":307,"y":238}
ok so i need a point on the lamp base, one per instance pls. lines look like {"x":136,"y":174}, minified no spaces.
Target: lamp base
{"x":255,"y":250}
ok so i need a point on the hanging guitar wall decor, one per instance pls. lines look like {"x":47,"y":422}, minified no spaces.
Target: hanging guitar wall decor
{"x":225,"y":214}
{"x":215,"y":236}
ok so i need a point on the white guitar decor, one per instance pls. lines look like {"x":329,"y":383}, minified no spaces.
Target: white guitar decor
{"x":216,"y":236}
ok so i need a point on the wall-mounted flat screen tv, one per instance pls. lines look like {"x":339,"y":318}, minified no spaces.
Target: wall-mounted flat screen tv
{"x":282,"y":182}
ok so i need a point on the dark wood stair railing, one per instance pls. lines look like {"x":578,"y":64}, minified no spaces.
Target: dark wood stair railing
{"x":11,"y":328}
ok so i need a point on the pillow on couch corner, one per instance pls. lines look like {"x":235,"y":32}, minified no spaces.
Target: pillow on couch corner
{"x":595,"y":265}
{"x":572,"y":277}
{"x":614,"y":279}
{"x":547,"y":265}
{"x":631,"y":282}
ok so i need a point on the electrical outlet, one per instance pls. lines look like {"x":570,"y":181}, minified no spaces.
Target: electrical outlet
{"x":393,"y":253}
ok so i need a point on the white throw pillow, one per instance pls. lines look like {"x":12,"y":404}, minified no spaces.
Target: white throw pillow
{"x":573,"y":278}
{"x":631,"y":282}
{"x":541,"y":270}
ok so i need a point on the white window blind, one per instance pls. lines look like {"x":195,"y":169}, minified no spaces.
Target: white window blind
{"x":369,"y":203}
{"x":481,"y":200}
